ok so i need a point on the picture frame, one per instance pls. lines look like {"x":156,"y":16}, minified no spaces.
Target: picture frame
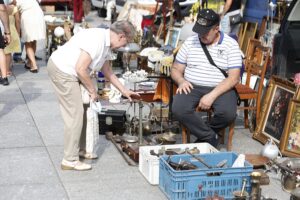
{"x":274,"y":110}
{"x":172,"y":37}
{"x":290,"y":141}
{"x":252,"y":113}
{"x":159,"y":32}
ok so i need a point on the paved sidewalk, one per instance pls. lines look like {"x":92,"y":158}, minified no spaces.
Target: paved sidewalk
{"x":31,"y":149}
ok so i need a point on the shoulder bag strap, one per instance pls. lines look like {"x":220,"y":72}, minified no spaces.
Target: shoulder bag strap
{"x":223,"y":72}
{"x":211,"y":60}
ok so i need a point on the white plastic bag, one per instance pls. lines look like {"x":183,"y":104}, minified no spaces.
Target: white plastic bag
{"x":92,"y":132}
{"x":96,"y":106}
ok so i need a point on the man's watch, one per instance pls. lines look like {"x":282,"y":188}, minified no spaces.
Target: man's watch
{"x":6,"y":33}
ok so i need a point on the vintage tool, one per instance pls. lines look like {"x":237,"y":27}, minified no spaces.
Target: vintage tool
{"x":199,"y":159}
{"x":221,"y":164}
{"x":165,"y":138}
{"x":290,"y":174}
{"x":140,"y":122}
{"x":132,"y":150}
{"x":129,"y":138}
{"x":264,"y":179}
{"x":194,"y":150}
{"x":255,"y":183}
{"x":176,"y":151}
{"x":110,"y":136}
{"x":181,"y":165}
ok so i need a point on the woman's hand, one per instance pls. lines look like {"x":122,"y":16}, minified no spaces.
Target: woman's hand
{"x":185,"y":87}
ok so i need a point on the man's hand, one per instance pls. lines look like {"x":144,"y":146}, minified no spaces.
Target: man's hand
{"x":185,"y":87}
{"x":206,"y":101}
{"x":131,"y":95}
{"x":94,"y":96}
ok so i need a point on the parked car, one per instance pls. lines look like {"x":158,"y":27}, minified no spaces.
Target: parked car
{"x":286,"y":44}
{"x":100,"y":5}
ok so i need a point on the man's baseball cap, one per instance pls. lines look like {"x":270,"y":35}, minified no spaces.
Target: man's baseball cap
{"x":206,"y":19}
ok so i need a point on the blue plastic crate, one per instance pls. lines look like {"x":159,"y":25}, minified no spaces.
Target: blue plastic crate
{"x":203,"y":182}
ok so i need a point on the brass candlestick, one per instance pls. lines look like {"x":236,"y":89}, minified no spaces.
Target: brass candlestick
{"x":255,"y":183}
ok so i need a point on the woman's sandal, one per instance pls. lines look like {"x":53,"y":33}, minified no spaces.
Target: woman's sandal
{"x":34,"y":70}
{"x":9,"y":73}
{"x":26,"y":66}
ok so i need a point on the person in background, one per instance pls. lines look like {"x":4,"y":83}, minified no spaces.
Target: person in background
{"x":4,"y":40}
{"x":32,"y":29}
{"x":14,"y":46}
{"x":181,"y":12}
{"x":71,"y":65}
{"x":231,"y":7}
{"x":78,"y":11}
{"x":111,"y":5}
{"x":201,"y":84}
{"x":204,"y":4}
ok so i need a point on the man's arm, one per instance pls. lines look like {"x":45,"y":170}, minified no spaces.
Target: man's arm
{"x":5,"y":22}
{"x":82,"y":71}
{"x":226,"y":7}
{"x":227,"y":84}
{"x":177,"y":72}
{"x":108,"y":73}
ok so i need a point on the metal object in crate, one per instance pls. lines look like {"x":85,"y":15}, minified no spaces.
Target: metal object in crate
{"x":203,"y":182}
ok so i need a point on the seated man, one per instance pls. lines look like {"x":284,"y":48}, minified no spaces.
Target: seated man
{"x":203,"y":85}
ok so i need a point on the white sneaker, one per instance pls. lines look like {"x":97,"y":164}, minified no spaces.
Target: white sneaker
{"x":75,"y":165}
{"x":84,"y":154}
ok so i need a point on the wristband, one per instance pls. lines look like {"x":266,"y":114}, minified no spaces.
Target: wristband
{"x":6,"y":33}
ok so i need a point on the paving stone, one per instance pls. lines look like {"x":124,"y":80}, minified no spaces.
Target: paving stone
{"x":26,"y":165}
{"x":19,"y":134}
{"x":34,"y":191}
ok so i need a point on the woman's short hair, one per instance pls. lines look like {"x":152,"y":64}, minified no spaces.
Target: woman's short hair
{"x":125,"y":27}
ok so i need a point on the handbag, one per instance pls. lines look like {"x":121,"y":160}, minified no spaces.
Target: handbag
{"x":235,"y":19}
{"x":211,"y":61}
